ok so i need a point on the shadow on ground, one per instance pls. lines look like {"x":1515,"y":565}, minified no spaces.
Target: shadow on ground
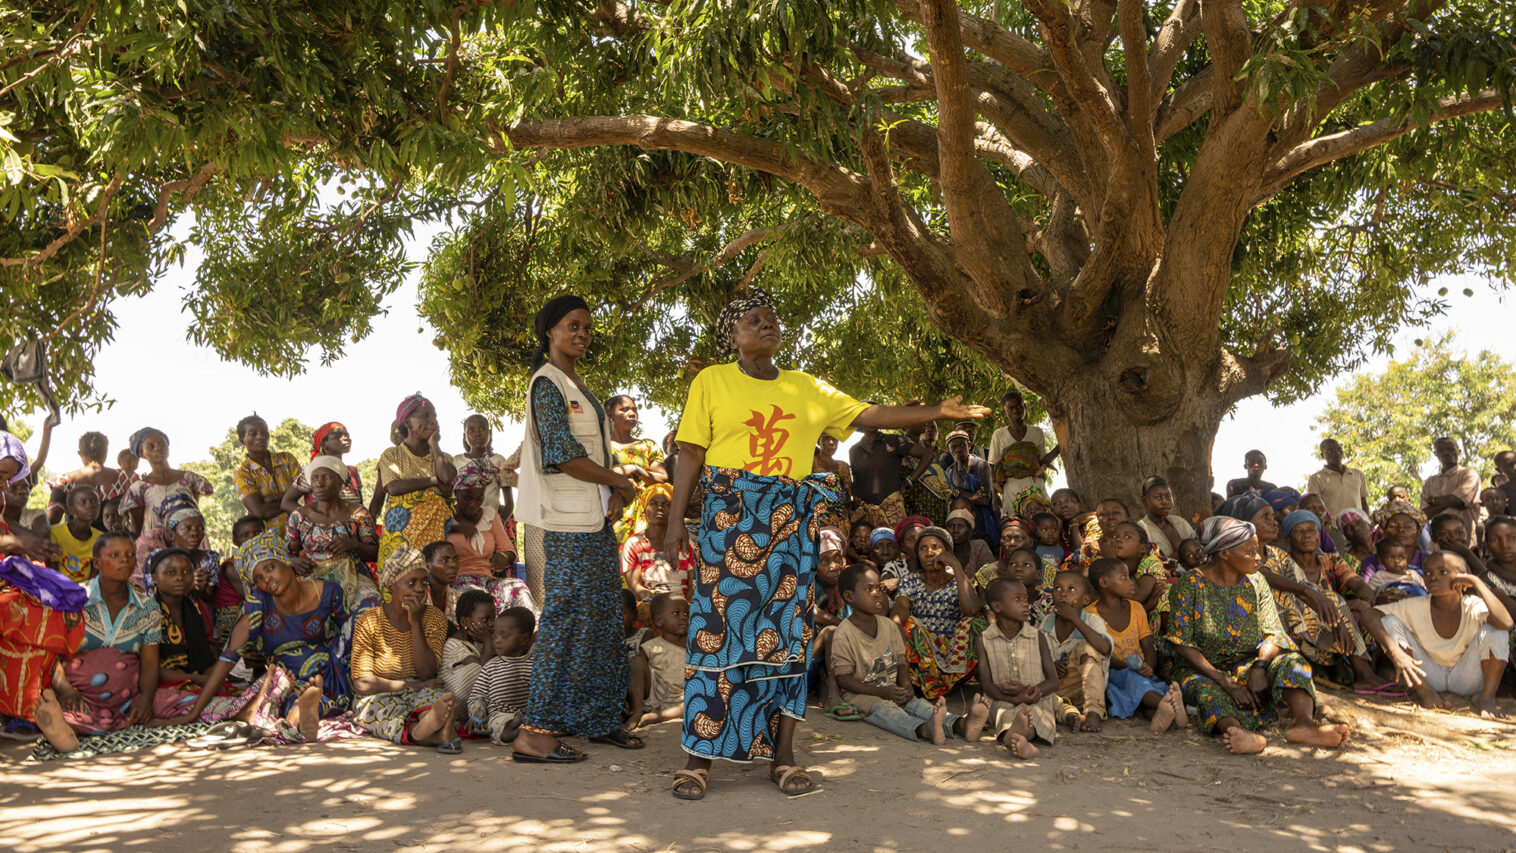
{"x":1122,"y":789}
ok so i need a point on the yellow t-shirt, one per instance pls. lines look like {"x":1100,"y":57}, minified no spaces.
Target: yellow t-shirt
{"x":765,"y":427}
{"x":74,"y":554}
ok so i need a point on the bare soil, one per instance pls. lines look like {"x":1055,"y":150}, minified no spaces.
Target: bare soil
{"x":1409,"y":780}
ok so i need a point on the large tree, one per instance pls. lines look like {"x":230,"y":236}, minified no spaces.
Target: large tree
{"x":1143,"y":212}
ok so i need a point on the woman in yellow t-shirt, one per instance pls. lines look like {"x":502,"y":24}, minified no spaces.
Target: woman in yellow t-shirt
{"x":748,"y":435}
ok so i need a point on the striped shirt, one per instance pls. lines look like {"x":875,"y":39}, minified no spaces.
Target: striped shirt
{"x":502,"y":685}
{"x":381,"y":650}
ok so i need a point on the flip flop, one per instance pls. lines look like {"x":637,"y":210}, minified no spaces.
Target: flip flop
{"x":452,"y":747}
{"x":620,"y":738}
{"x":1389,"y":690}
{"x":222,"y":736}
{"x":564,"y":754}
{"x":846,"y":712}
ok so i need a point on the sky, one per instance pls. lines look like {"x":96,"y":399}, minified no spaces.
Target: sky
{"x":157,"y":377}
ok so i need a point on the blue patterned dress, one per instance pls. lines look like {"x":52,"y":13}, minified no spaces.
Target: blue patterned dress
{"x":306,"y":644}
{"x":580,"y":673}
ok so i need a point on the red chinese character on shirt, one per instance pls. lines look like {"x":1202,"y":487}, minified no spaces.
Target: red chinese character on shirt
{"x":767,"y":441}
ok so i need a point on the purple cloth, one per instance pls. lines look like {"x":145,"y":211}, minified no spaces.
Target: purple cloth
{"x":51,"y":588}
{"x":12,"y":448}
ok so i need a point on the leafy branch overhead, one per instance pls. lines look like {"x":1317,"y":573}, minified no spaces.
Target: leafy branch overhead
{"x":1150,"y":208}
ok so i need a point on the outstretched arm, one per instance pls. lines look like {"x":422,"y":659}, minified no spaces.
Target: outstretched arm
{"x":900,"y":417}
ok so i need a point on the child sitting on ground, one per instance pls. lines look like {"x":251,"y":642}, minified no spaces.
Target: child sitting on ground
{"x":868,"y":662}
{"x":227,"y":598}
{"x":1395,"y":579}
{"x":1049,"y":537}
{"x":1081,"y":652}
{"x":662,"y":687}
{"x":500,"y":692}
{"x":469,"y":646}
{"x":1016,"y":672}
{"x":633,"y":636}
{"x":1131,"y":685}
{"x":1190,"y":555}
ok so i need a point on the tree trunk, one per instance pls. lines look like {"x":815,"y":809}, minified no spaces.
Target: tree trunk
{"x":1119,"y":434}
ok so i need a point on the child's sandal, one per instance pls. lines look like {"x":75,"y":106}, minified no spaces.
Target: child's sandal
{"x":694,"y":777}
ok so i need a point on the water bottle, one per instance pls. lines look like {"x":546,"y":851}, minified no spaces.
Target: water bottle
{"x":1134,"y":662}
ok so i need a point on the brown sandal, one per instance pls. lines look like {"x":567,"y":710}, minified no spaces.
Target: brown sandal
{"x":781,"y":774}
{"x":693,"y":777}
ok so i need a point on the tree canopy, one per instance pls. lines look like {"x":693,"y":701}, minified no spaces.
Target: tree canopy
{"x":1388,"y":421}
{"x":1141,"y":211}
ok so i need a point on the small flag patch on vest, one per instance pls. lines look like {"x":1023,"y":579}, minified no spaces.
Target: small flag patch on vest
{"x":575,"y":408}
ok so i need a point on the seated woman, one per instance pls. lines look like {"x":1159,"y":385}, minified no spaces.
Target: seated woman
{"x":1358,"y":534}
{"x":112,"y":683}
{"x":187,"y":648}
{"x":397,"y":651}
{"x":297,"y":624}
{"x":906,"y":533}
{"x":936,"y":607}
{"x":1162,"y":527}
{"x":1402,"y":523}
{"x":485,"y":550}
{"x":1231,"y":656}
{"x":333,"y":539}
{"x":1311,"y":583}
{"x":973,"y":554}
{"x":184,"y":529}
{"x":1446,"y":641}
{"x":146,"y":504}
{"x":643,"y":568}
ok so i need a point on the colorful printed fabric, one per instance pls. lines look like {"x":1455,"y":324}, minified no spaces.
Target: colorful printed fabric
{"x":414,"y":519}
{"x":307,"y":644}
{"x":153,"y":498}
{"x":32,"y":637}
{"x":750,"y":626}
{"x":1022,"y":459}
{"x":251,"y":478}
{"x":138,"y":624}
{"x":276,"y":692}
{"x":939,"y":661}
{"x":107,"y":679}
{"x":926,"y":496}
{"x":639,"y":553}
{"x":314,"y":540}
{"x":506,"y":592}
{"x":1228,"y":625}
{"x":886,"y":513}
{"x":390,"y":715}
{"x":643,"y":453}
{"x":1318,"y":642}
{"x":125,"y":740}
{"x":187,"y":648}
{"x":49,"y":587}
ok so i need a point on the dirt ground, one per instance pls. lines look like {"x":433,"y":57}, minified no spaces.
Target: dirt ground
{"x":1122,"y":789}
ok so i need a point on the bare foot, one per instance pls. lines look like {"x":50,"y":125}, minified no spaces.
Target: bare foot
{"x":1428,"y":698}
{"x":48,"y":715}
{"x":1091,"y":722}
{"x":1240,"y":741}
{"x":934,"y":725}
{"x":306,"y":715}
{"x":1163,"y":717}
{"x":979,"y":714}
{"x":1019,"y":746}
{"x":1487,"y":708}
{"x":436,"y":719}
{"x":1176,"y":698}
{"x":1330,"y":735}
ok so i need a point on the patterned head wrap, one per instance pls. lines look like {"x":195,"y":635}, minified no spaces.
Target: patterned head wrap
{"x":1030,"y":501}
{"x":1383,"y":515}
{"x":645,"y":497}
{"x":330,"y":463}
{"x":172,"y":504}
{"x":401,"y":562}
{"x":831,"y":540}
{"x":907,"y":523}
{"x":142,"y":435}
{"x":946,"y":537}
{"x":12,"y":448}
{"x":319,"y":436}
{"x":549,"y":316}
{"x":726,"y":321}
{"x":408,"y":407}
{"x":476,"y":474}
{"x":1299,"y":516}
{"x":1223,"y":533}
{"x":179,"y":516}
{"x":881,"y":534}
{"x":1242,"y":507}
{"x":1348,"y":516}
{"x":1281,"y":498}
{"x":268,"y":545}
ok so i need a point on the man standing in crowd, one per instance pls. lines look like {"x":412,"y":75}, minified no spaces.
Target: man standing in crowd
{"x":1454,"y":489}
{"x":1339,"y":486}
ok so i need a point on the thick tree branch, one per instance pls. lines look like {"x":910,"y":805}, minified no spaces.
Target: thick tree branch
{"x":1178,"y":32}
{"x":1230,"y":43}
{"x":1020,"y":55}
{"x":1139,"y":106}
{"x":1335,"y":146}
{"x":187,"y":187}
{"x":72,"y":232}
{"x":1092,"y":102}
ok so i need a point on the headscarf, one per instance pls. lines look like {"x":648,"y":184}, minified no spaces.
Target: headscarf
{"x":1223,"y":533}
{"x":549,"y":316}
{"x":1383,"y":515}
{"x":831,"y":540}
{"x":330,"y":463}
{"x":1348,"y":516}
{"x":907,"y":523}
{"x":319,"y":436}
{"x":181,"y":515}
{"x":726,"y":321}
{"x":476,"y":474}
{"x":1299,"y":516}
{"x":408,"y":407}
{"x":880,"y":534}
{"x":1281,"y":498}
{"x":142,"y":435}
{"x":962,"y":515}
{"x":401,"y":562}
{"x":645,"y":497}
{"x":268,"y":545}
{"x":946,"y":537}
{"x":172,"y":504}
{"x":12,"y":448}
{"x":1242,"y":507}
{"x":1030,"y":501}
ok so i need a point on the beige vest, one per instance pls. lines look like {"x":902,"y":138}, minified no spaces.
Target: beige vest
{"x":557,"y":501}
